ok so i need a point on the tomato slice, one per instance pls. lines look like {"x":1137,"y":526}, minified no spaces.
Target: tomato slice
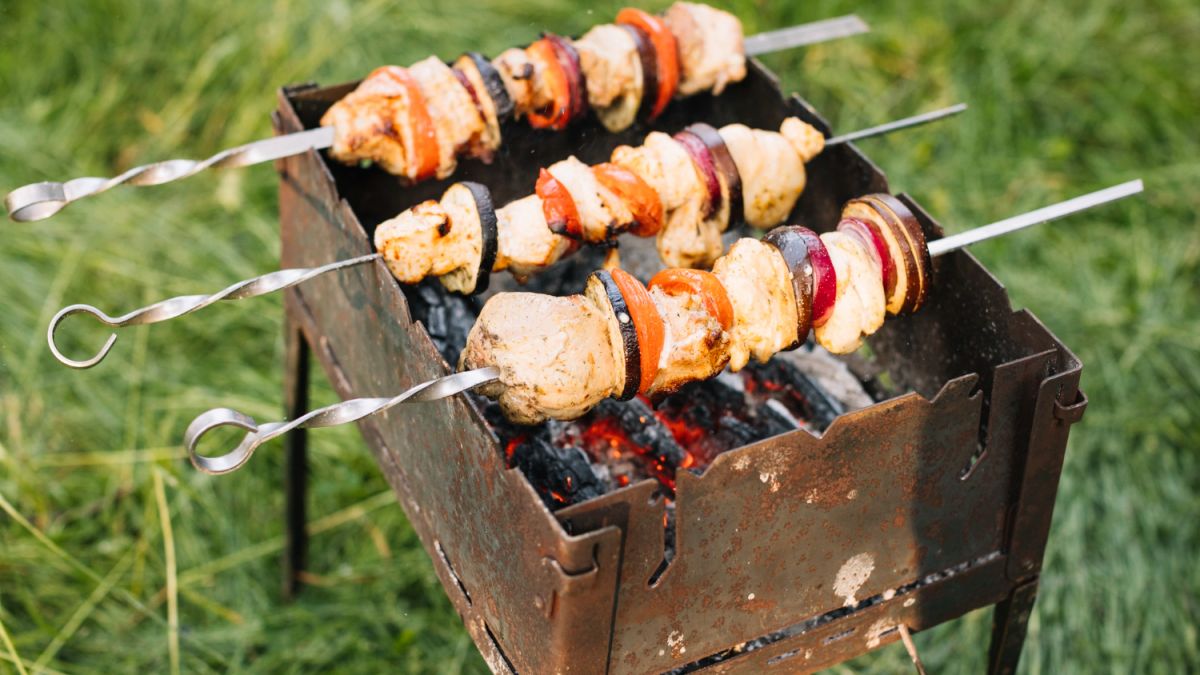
{"x":558,"y":206}
{"x":666,"y":53}
{"x":647,"y":323}
{"x":559,"y":112}
{"x":643,"y":201}
{"x":424,"y":155}
{"x":703,"y":285}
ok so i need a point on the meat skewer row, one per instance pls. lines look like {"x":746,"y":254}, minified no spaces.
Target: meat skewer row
{"x":463,"y":237}
{"x":610,"y":332}
{"x":415,"y":122}
{"x":684,"y":189}
{"x":620,"y":338}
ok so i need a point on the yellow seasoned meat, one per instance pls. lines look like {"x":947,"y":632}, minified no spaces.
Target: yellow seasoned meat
{"x":613,"y":70}
{"x":771,"y":168}
{"x":371,"y":123}
{"x":687,"y":239}
{"x":442,"y":239}
{"x":694,"y":345}
{"x":526,"y":244}
{"x":555,"y":355}
{"x":759,"y":286}
{"x":711,"y":53}
{"x":524,"y":81}
{"x":601,"y":213}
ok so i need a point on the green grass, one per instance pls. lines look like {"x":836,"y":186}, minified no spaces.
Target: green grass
{"x":1066,"y":97}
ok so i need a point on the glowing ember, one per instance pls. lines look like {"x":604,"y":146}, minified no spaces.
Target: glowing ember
{"x":619,"y":444}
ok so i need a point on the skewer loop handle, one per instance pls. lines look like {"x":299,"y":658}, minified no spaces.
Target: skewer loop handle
{"x":329,"y":416}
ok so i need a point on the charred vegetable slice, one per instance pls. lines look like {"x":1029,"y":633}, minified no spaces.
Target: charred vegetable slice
{"x":493,"y":84}
{"x":564,"y":78}
{"x":489,"y":233}
{"x":824,"y":293}
{"x":904,"y":294}
{"x":666,"y":54}
{"x":630,"y":349}
{"x":649,"y":62}
{"x":916,"y":237}
{"x":794,"y":247}
{"x":724,"y":163}
{"x":648,"y":331}
{"x":702,"y":158}
{"x":871,"y":237}
{"x":423,"y":157}
{"x":568,"y":59}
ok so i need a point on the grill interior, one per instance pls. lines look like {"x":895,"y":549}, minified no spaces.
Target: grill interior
{"x":713,"y":530}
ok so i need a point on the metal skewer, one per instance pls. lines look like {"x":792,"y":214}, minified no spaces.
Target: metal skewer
{"x":449,"y":385}
{"x":38,"y":201}
{"x":277,"y":281}
{"x":1043,"y":215}
{"x":329,"y":416}
{"x":897,"y":125}
{"x":186,"y":304}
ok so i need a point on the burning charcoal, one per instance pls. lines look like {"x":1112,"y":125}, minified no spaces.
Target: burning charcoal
{"x":709,"y":418}
{"x":777,"y":419}
{"x":782,"y":381}
{"x":447,"y":317}
{"x":561,"y":476}
{"x":627,"y":439}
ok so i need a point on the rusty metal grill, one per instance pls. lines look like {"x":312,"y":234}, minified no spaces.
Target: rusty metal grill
{"x":788,"y":554}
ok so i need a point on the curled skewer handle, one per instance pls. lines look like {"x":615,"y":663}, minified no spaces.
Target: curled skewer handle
{"x":186,"y":304}
{"x":329,"y":416}
{"x":38,"y":201}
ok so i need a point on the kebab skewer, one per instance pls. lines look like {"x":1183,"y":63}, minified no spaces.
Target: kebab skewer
{"x":416,"y":122}
{"x":620,"y":338}
{"x":684,"y":189}
{"x":462,"y":238}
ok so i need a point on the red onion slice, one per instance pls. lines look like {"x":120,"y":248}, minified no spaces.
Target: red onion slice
{"x":702,"y":157}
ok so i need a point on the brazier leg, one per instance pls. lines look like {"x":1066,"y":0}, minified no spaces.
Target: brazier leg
{"x":295,"y":477}
{"x":1010,"y":621}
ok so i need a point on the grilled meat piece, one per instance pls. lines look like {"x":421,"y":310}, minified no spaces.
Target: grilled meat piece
{"x":371,"y":123}
{"x":771,"y":168}
{"x":527,"y":246}
{"x":711,"y":53}
{"x":695,"y":347}
{"x":613,"y":70}
{"x":759,"y":286}
{"x":556,"y":355}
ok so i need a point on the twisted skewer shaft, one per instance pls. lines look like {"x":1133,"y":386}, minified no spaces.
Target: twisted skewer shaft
{"x":38,"y":201}
{"x":356,"y":409}
{"x":329,"y":416}
{"x":186,"y":304}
